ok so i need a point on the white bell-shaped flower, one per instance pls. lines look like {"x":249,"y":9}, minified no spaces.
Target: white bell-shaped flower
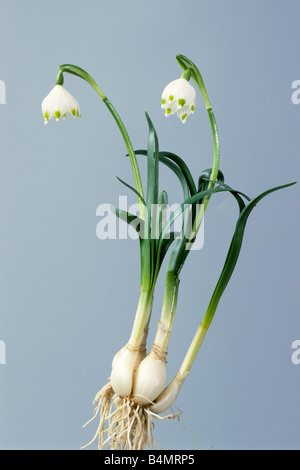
{"x":179,"y":97}
{"x":59,"y":102}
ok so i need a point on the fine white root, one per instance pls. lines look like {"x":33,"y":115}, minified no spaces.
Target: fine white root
{"x":124,"y":424}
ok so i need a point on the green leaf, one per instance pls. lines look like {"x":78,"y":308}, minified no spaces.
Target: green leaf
{"x":165,"y":160}
{"x":152,"y":162}
{"x":191,"y":200}
{"x":158,"y":219}
{"x":151,"y":199}
{"x":233,"y":254}
{"x":134,"y":221}
{"x":165,"y":245}
{"x":203,"y":182}
{"x":162,"y":202}
{"x":132,"y":189}
{"x":176,"y":260}
{"x":183,"y":167}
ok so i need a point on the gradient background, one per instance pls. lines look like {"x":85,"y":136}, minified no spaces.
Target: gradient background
{"x":68,"y":299}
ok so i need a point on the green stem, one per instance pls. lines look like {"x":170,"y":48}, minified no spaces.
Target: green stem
{"x":131,"y":153}
{"x":228,"y":268}
{"x":141,"y":322}
{"x":190,"y":68}
{"x":165,"y":324}
{"x":214,"y":171}
{"x":192,"y":353}
{"x":79,"y":72}
{"x":171,"y":289}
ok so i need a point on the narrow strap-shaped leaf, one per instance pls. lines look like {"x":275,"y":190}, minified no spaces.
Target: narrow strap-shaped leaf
{"x":184,"y":168}
{"x":237,"y":196}
{"x":151,"y":199}
{"x":158,"y":215}
{"x":152,"y":161}
{"x":233,"y":254}
{"x":182,"y":172}
{"x":162,"y":202}
{"x":177,"y":170}
{"x":205,"y":178}
{"x":191,"y":200}
{"x":166,"y":243}
{"x":132,"y":189}
{"x":221,"y":183}
{"x":180,"y":252}
{"x":196,"y":197}
{"x":136,"y":222}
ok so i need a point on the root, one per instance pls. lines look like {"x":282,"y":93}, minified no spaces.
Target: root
{"x":124,"y":424}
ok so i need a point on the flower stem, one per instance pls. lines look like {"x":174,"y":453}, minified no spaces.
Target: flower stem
{"x":215,"y":168}
{"x":190,"y":67}
{"x":192,"y":352}
{"x":79,"y":72}
{"x":172,"y":280}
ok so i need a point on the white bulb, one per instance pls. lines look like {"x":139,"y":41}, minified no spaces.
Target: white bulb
{"x":167,"y":397}
{"x":150,"y":379}
{"x":124,"y":364}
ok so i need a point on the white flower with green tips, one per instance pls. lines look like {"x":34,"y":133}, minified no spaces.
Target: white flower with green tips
{"x":58,"y":103}
{"x":179,"y":97}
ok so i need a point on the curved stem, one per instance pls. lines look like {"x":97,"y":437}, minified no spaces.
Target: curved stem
{"x":79,"y":72}
{"x":171,"y":288}
{"x":131,"y":153}
{"x":191,"y":68}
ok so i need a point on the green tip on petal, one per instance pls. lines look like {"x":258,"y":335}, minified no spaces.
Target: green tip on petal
{"x":171,"y":97}
{"x":183,"y":117}
{"x":163,"y":101}
{"x":181,"y":102}
{"x":57,"y":115}
{"x":168,"y":111}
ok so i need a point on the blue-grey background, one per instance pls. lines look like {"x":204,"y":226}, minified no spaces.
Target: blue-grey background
{"x":68,"y":299}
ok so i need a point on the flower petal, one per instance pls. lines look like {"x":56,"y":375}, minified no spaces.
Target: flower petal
{"x":179,"y":97}
{"x":59,"y":102}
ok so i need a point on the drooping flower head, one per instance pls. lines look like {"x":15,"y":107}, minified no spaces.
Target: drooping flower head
{"x":179,"y":97}
{"x":59,"y":102}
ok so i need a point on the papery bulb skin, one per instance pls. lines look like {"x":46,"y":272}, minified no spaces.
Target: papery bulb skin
{"x":124,"y":365}
{"x":150,"y":377}
{"x":167,"y":397}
